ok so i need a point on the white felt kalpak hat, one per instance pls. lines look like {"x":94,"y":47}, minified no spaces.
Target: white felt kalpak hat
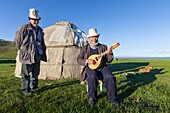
{"x":33,"y":14}
{"x":92,"y":32}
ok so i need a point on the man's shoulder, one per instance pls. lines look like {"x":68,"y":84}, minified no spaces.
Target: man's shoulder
{"x":102,"y":45}
{"x":85,"y":46}
{"x":24,"y":26}
{"x":40,"y":28}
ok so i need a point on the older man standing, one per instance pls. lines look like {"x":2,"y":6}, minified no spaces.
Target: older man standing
{"x":30,"y":43}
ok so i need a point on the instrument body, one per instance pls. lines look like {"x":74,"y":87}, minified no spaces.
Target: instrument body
{"x":98,"y":57}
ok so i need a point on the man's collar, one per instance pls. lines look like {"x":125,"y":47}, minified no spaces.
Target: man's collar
{"x":32,"y":27}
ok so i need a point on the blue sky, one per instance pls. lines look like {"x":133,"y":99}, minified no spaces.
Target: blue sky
{"x":141,"y":26}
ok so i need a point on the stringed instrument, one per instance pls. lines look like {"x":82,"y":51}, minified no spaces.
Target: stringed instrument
{"x":98,"y":57}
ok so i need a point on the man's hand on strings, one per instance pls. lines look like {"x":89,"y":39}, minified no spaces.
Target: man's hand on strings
{"x":90,"y":61}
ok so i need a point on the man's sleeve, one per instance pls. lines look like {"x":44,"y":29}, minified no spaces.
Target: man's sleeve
{"x":19,"y":37}
{"x":81,"y":60}
{"x":110,"y":56}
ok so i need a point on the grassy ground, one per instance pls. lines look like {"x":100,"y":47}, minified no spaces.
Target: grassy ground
{"x":8,"y":52}
{"x":142,"y":92}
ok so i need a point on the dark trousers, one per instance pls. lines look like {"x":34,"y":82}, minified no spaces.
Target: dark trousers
{"x":109,"y":82}
{"x":29,"y":78}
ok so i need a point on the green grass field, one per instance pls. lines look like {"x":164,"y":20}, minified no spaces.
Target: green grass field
{"x":139,"y":93}
{"x":8,"y":52}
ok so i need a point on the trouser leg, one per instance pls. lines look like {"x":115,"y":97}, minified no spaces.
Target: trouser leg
{"x":92,"y":81}
{"x":34,"y":76}
{"x":109,"y":83}
{"x":25,"y":79}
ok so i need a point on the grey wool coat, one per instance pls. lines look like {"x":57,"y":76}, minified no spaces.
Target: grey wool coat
{"x":25,"y":40}
{"x":85,"y":53}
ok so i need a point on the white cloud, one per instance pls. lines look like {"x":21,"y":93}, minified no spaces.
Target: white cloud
{"x":157,"y":51}
{"x":149,"y":50}
{"x":164,"y":51}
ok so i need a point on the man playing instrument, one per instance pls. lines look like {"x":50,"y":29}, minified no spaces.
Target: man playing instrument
{"x":92,"y":75}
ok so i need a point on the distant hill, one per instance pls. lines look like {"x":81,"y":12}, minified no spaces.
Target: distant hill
{"x":6,"y":43}
{"x":8,"y":49}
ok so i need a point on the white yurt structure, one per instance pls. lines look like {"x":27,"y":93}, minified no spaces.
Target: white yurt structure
{"x":63,"y":41}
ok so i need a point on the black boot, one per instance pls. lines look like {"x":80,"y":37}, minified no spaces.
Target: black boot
{"x":116,"y":103}
{"x":92,"y":102}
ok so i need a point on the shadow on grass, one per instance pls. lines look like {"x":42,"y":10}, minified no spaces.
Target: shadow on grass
{"x":132,"y":81}
{"x":7,"y":61}
{"x":62,"y":84}
{"x":119,"y":68}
